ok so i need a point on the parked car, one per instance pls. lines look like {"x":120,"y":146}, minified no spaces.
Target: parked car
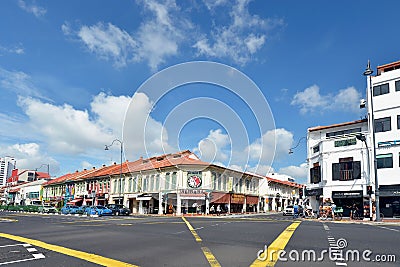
{"x":288,"y":210}
{"x":118,"y":209}
{"x":47,"y":209}
{"x":69,"y":209}
{"x":82,"y":209}
{"x":98,"y":210}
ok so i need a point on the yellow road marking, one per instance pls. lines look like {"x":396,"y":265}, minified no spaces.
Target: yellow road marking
{"x":279,"y":244}
{"x":206,"y":251}
{"x":100,"y":260}
{"x":196,"y":236}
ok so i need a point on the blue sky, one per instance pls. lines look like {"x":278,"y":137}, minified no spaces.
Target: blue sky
{"x":68,"y":71}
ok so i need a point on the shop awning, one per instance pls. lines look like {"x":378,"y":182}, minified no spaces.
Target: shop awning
{"x":74,"y":201}
{"x":143,"y":198}
{"x":251,"y":200}
{"x":219,"y":198}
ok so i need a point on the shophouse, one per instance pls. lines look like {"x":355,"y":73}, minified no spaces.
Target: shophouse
{"x":385,"y":87}
{"x":338,"y":165}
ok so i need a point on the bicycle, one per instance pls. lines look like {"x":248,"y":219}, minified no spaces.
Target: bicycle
{"x":309,"y":214}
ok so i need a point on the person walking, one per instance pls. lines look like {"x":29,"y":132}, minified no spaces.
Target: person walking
{"x":333,"y":208}
{"x":218,"y":210}
{"x":295,"y":211}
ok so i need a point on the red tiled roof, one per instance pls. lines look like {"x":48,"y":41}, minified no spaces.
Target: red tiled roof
{"x":318,"y":128}
{"x":42,"y":175}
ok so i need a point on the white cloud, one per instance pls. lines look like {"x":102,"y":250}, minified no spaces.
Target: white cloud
{"x":211,"y":4}
{"x":20,"y":83}
{"x":261,"y":169}
{"x":238,"y":41}
{"x":157,"y":38}
{"x":143,"y":135}
{"x":310,"y":100}
{"x":213,"y":147}
{"x":298,"y":172}
{"x":18,"y":49}
{"x":30,"y":156}
{"x":64,"y":128}
{"x":273,"y":144}
{"x":108,"y":42}
{"x":36,"y":10}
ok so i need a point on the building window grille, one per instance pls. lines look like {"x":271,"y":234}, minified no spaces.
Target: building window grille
{"x":315,"y":175}
{"x":383,"y":125}
{"x":397,"y":84}
{"x":346,"y":170}
{"x":398,"y":121}
{"x":384,"y":161}
{"x":381,"y":89}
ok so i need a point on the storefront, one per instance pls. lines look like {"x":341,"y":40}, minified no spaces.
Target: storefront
{"x":193,"y":201}
{"x":313,"y":198}
{"x":346,"y":199}
{"x":389,"y":200}
{"x":251,"y":203}
{"x":237,"y":202}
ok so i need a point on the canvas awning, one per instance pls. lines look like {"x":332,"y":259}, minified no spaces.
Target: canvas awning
{"x":74,"y":201}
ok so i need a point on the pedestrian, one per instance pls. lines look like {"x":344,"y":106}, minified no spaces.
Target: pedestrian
{"x":295,"y":211}
{"x":333,"y":207}
{"x":212,"y":209}
{"x":218,"y":210}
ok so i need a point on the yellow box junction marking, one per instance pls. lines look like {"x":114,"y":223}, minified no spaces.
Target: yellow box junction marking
{"x":279,"y":244}
{"x":100,"y":260}
{"x":206,"y":251}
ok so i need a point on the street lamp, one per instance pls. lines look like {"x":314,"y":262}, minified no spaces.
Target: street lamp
{"x":368,"y":72}
{"x":362,"y":138}
{"x":298,"y":143}
{"x":48,"y":168}
{"x":107,"y":147}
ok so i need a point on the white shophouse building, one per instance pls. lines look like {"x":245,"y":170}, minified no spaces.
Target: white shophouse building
{"x":338,"y":165}
{"x":386,"y":106}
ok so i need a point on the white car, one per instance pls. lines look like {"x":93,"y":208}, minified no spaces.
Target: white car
{"x":288,"y":210}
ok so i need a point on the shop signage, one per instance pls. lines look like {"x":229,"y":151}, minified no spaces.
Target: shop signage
{"x":347,"y":194}
{"x":194,"y":181}
{"x":389,"y":190}
{"x":389,"y":143}
{"x":192,"y":191}
{"x":236,"y":198}
{"x":314,"y":192}
{"x":345,"y":142}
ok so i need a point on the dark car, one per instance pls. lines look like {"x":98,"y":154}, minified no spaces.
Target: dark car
{"x":119,"y":209}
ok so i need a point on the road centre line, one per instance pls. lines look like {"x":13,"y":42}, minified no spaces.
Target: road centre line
{"x":391,"y":229}
{"x":279,"y":244}
{"x":206,"y":251}
{"x":97,"y":259}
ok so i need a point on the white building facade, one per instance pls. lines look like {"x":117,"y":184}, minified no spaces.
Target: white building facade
{"x":7,"y":164}
{"x":339,"y":167}
{"x":385,"y":87}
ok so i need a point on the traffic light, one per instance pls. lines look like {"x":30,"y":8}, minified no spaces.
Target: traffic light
{"x":369,"y":190}
{"x":301,"y":192}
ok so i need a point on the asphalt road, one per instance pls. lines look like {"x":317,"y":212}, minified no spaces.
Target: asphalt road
{"x":55,"y":240}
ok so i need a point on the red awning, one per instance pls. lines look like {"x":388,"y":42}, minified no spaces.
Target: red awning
{"x":219,"y":198}
{"x":251,"y":200}
{"x":74,"y":201}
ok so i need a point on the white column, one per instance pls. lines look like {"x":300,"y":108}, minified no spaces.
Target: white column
{"x":207,"y":205}
{"x":160,"y":206}
{"x":178,"y":204}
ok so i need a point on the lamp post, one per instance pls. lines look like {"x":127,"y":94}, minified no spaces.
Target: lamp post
{"x":298,"y":143}
{"x":368,"y":72}
{"x":48,"y":168}
{"x":362,"y":138}
{"x":120,"y":170}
